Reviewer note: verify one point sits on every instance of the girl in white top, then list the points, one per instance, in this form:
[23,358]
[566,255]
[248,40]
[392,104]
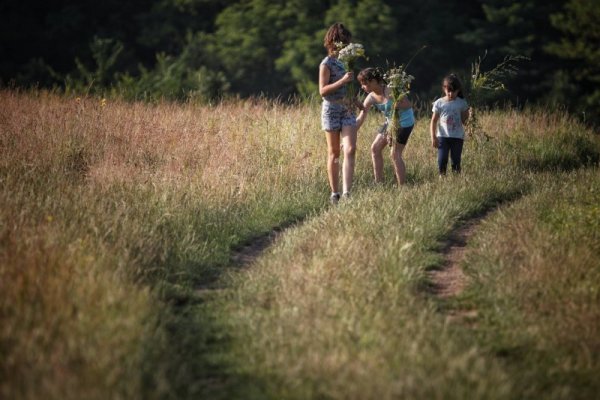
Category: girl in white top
[372,82]
[450,113]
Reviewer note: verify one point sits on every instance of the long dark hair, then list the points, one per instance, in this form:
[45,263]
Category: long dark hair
[337,33]
[453,83]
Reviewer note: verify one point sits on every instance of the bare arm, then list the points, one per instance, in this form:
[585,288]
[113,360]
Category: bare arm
[435,118]
[464,115]
[404,103]
[362,116]
[324,74]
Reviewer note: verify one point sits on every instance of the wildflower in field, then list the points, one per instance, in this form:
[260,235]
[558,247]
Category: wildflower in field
[103,102]
[348,55]
[399,83]
[484,84]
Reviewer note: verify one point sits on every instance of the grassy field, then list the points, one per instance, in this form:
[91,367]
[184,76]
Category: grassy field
[113,215]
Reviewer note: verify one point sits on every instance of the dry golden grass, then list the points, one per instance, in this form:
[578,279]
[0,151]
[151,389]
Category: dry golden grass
[219,147]
[335,310]
[96,193]
[104,204]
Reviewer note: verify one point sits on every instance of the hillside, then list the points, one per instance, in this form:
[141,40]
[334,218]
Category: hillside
[121,227]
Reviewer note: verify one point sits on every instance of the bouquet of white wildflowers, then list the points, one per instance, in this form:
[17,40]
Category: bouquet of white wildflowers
[399,83]
[348,55]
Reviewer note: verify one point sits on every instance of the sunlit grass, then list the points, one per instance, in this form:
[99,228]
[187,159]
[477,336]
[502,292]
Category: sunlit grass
[536,279]
[338,308]
[110,208]
[340,300]
[113,214]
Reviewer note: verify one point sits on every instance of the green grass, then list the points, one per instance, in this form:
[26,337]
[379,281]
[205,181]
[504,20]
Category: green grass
[341,295]
[112,216]
[536,280]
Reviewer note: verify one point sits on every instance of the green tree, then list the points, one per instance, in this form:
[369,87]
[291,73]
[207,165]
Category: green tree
[370,22]
[41,41]
[303,49]
[247,40]
[436,24]
[165,25]
[510,28]
[579,24]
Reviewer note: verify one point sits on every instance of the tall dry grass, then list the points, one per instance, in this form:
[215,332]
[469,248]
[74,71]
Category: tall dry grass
[216,147]
[337,310]
[110,208]
[113,213]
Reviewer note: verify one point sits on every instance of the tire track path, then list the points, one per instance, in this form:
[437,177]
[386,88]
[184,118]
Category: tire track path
[242,257]
[449,280]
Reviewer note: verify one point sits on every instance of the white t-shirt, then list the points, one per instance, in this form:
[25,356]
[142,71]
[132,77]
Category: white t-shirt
[450,123]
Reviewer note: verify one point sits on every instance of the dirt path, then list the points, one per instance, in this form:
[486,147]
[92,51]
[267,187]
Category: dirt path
[449,280]
[245,255]
[242,257]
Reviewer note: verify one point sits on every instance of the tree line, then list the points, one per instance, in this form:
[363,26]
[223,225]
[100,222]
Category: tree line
[208,49]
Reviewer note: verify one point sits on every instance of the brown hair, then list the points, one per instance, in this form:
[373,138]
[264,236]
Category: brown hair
[368,74]
[454,84]
[337,33]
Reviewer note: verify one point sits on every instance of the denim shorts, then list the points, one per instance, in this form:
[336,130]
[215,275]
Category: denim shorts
[334,116]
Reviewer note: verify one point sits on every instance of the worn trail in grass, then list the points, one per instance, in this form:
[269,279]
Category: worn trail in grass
[114,215]
[448,281]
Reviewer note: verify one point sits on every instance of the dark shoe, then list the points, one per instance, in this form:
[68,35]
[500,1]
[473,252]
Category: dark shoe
[335,198]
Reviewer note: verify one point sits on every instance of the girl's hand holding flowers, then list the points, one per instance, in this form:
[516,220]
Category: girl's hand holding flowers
[399,82]
[348,56]
[348,77]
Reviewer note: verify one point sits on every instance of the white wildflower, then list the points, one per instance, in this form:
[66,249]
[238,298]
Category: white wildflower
[399,82]
[348,54]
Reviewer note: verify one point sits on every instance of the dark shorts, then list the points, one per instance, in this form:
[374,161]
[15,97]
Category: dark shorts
[402,134]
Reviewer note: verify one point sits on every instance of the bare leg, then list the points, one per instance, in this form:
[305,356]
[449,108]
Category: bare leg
[333,159]
[349,145]
[376,155]
[399,166]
